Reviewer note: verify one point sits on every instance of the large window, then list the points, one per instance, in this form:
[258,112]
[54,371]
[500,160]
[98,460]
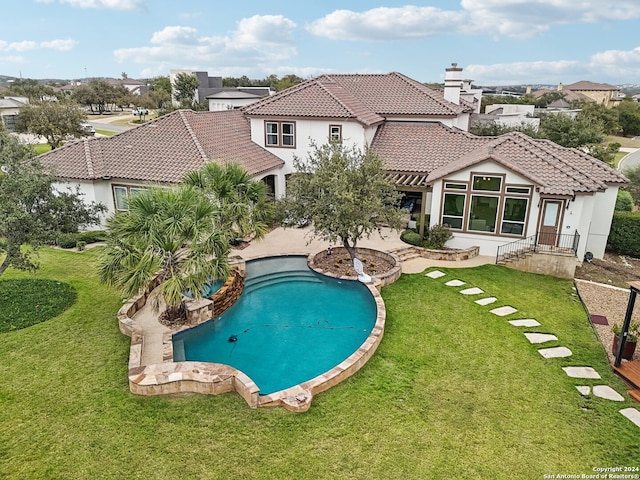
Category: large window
[122,194]
[280,134]
[486,204]
[483,213]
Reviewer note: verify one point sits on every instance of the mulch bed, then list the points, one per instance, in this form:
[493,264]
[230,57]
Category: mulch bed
[339,264]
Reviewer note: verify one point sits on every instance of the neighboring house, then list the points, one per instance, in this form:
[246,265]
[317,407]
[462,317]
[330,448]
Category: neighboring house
[509,115]
[9,110]
[494,192]
[219,97]
[602,93]
[136,87]
[234,98]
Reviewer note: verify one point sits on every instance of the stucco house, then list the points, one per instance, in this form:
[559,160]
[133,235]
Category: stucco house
[497,193]
[9,110]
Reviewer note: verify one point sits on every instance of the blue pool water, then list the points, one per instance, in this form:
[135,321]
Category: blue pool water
[290,323]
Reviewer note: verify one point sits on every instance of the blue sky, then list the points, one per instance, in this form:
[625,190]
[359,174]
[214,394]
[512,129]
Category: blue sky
[495,41]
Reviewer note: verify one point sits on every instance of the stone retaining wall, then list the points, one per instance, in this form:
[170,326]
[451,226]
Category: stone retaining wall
[380,280]
[449,255]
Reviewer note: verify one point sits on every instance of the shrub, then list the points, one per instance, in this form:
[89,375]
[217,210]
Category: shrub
[624,237]
[93,236]
[67,240]
[411,237]
[437,236]
[80,245]
[624,201]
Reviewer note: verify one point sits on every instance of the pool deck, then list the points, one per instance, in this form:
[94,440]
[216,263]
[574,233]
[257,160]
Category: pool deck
[293,241]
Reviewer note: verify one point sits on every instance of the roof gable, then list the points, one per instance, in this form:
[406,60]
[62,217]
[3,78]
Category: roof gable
[439,151]
[365,98]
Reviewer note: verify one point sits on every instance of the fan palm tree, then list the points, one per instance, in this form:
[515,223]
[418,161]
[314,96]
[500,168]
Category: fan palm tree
[244,207]
[174,233]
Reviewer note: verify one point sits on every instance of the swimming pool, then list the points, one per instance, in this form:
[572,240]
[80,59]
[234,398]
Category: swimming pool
[289,326]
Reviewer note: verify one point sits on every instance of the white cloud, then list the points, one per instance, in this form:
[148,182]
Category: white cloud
[104,4]
[29,45]
[386,23]
[61,45]
[258,40]
[621,63]
[510,18]
[175,35]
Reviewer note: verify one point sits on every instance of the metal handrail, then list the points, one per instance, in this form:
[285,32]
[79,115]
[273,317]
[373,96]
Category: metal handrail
[540,242]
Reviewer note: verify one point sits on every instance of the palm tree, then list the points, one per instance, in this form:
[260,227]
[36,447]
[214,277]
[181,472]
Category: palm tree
[244,207]
[174,233]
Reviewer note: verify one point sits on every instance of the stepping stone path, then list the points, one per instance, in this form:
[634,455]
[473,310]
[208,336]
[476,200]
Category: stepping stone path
[486,301]
[632,414]
[605,391]
[435,274]
[504,311]
[540,337]
[601,391]
[525,322]
[555,352]
[584,390]
[471,291]
[581,372]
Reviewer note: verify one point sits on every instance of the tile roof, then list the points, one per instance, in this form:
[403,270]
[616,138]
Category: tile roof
[591,86]
[439,151]
[365,98]
[164,149]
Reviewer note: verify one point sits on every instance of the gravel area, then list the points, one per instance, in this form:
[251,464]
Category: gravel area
[610,302]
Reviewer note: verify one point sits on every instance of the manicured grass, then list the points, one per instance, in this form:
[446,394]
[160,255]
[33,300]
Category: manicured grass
[452,392]
[26,302]
[109,133]
[40,148]
[623,141]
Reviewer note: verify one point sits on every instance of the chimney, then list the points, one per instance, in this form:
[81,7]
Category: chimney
[528,90]
[453,83]
[560,87]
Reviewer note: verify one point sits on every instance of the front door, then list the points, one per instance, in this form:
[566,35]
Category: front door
[551,215]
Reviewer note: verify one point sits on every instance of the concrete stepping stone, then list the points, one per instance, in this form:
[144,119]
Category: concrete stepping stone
[584,390]
[555,352]
[525,322]
[632,414]
[435,274]
[581,372]
[608,393]
[504,311]
[455,283]
[471,291]
[540,337]
[486,301]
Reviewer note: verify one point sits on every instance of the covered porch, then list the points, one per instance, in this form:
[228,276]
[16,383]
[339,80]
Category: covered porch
[415,187]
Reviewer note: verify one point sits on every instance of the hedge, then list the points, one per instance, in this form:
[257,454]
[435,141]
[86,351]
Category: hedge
[624,237]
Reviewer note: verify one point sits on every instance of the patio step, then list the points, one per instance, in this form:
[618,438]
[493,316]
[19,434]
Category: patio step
[406,253]
[635,394]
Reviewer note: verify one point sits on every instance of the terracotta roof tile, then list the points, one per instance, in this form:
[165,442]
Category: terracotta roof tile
[366,98]
[164,149]
[439,151]
[591,86]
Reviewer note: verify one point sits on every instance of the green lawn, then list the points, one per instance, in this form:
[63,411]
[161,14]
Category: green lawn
[41,148]
[453,392]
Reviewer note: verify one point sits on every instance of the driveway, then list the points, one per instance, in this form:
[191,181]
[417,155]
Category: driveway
[631,160]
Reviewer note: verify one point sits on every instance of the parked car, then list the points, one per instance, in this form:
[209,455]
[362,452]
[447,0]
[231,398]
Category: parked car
[88,128]
[139,111]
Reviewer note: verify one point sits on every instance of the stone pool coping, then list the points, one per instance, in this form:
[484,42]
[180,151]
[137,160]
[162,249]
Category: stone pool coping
[171,377]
